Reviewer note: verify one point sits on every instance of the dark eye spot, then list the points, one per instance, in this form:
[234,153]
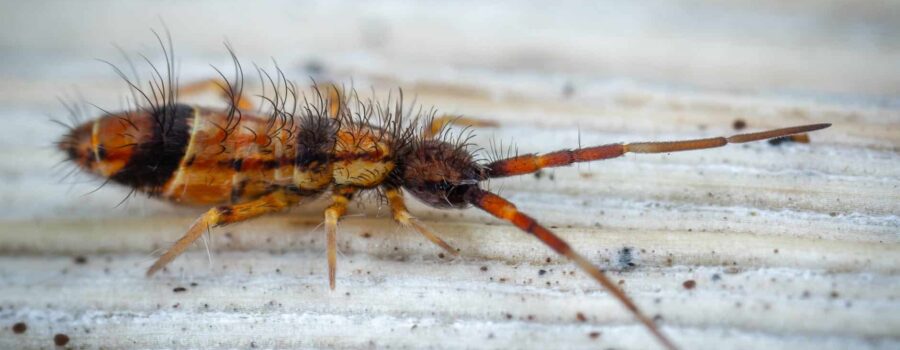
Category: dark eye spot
[101,152]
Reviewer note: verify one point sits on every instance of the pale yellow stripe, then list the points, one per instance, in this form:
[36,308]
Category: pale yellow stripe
[280,177]
[188,153]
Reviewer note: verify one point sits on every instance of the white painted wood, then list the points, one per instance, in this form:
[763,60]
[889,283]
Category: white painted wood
[795,246]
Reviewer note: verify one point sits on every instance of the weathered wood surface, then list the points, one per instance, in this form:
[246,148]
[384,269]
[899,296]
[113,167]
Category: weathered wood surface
[791,246]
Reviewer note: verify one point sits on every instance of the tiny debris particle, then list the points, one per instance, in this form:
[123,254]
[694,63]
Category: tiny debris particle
[314,67]
[568,89]
[19,328]
[366,235]
[484,268]
[542,272]
[778,141]
[833,214]
[509,316]
[775,251]
[626,259]
[441,255]
[60,339]
[689,284]
[801,138]
[179,289]
[834,294]
[594,335]
[580,317]
[739,124]
[80,260]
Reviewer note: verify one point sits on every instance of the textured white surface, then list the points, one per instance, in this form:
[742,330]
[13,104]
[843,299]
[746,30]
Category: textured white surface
[796,246]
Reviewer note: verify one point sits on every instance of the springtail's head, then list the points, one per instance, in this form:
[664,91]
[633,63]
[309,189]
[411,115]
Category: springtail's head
[441,174]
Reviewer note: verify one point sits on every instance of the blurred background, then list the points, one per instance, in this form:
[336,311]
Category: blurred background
[792,247]
[833,47]
[804,47]
[629,61]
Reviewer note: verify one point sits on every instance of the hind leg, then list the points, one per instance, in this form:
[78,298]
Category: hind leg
[223,215]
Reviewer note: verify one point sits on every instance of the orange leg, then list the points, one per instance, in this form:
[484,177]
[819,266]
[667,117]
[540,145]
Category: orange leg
[340,197]
[503,209]
[530,163]
[223,215]
[402,216]
[220,86]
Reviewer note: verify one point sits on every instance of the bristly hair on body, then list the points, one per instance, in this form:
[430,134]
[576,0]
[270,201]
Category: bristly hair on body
[402,125]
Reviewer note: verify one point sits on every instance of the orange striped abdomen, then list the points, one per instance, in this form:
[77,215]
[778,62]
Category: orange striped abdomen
[201,156]
[232,159]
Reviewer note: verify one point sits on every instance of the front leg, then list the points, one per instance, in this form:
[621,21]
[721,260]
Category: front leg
[340,197]
[403,217]
[224,215]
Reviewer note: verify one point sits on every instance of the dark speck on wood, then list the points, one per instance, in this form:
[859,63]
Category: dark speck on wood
[60,339]
[19,328]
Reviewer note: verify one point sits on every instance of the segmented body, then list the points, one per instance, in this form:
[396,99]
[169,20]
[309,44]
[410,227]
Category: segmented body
[203,156]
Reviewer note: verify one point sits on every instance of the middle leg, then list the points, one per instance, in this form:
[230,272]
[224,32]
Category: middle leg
[340,197]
